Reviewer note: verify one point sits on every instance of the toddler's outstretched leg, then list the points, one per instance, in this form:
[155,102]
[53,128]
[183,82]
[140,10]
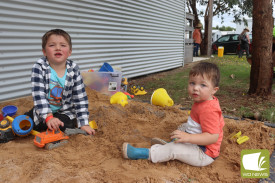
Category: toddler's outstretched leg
[130,152]
[158,141]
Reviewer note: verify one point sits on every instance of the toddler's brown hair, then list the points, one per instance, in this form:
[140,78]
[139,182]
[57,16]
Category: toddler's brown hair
[206,69]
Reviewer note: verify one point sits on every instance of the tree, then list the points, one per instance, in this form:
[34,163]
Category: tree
[216,28]
[226,28]
[220,7]
[209,28]
[192,8]
[261,74]
[223,28]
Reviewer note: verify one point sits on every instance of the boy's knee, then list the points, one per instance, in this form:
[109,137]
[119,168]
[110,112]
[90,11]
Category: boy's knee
[40,127]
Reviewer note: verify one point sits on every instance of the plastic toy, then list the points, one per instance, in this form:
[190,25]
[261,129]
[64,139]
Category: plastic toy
[240,139]
[9,110]
[160,97]
[119,98]
[21,125]
[129,96]
[138,90]
[93,125]
[133,89]
[6,133]
[54,139]
[124,83]
[237,135]
[33,132]
[1,117]
[106,68]
[50,139]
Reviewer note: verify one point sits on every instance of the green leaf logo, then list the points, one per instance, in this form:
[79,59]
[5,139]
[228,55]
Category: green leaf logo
[255,163]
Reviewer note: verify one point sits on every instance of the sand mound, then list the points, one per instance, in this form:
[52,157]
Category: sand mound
[99,158]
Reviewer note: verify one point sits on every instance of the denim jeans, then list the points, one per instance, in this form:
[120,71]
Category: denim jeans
[196,49]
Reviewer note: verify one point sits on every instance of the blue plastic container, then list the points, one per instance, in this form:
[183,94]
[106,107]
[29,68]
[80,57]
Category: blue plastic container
[22,125]
[106,68]
[9,110]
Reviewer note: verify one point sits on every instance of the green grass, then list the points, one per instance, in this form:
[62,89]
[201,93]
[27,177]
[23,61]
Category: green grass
[234,85]
[239,85]
[176,84]
[234,74]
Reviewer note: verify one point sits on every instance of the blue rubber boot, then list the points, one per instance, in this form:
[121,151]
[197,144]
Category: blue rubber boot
[130,152]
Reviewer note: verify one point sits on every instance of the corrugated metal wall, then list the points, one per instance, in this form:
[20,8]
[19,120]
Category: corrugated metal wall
[140,36]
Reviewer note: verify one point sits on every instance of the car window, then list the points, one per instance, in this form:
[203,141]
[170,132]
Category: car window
[224,38]
[235,37]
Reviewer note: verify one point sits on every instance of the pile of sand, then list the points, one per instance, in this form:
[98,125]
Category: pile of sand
[99,158]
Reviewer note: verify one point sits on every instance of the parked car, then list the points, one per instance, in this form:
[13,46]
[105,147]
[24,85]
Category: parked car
[230,42]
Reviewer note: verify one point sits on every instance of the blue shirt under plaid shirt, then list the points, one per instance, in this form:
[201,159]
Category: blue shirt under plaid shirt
[74,97]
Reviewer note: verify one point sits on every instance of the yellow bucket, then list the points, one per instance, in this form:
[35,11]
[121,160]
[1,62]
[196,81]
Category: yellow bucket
[160,97]
[119,98]
[220,51]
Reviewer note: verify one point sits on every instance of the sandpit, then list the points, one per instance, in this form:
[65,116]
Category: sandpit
[99,158]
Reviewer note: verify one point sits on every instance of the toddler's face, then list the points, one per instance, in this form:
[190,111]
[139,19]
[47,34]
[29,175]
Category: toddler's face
[57,49]
[201,88]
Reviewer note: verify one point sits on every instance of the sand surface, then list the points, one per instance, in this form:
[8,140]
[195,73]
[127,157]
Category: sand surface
[99,158]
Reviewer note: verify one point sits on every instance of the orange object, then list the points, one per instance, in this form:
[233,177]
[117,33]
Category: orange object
[93,125]
[41,139]
[128,94]
[197,36]
[48,118]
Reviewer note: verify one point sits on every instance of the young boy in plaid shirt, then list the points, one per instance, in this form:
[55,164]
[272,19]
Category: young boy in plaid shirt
[60,99]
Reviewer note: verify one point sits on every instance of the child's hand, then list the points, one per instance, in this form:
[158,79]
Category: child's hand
[88,129]
[180,136]
[54,123]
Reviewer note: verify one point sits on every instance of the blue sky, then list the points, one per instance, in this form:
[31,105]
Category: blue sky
[228,21]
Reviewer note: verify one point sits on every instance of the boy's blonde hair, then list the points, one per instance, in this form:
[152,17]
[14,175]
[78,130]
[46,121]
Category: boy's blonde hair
[206,69]
[59,32]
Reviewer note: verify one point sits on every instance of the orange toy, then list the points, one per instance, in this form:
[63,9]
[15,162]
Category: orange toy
[128,95]
[48,138]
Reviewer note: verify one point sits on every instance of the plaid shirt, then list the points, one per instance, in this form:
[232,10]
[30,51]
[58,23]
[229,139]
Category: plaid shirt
[74,97]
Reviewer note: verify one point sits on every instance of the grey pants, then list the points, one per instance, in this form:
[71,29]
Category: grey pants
[187,153]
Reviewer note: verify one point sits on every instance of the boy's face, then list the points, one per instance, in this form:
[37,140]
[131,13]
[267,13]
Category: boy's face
[201,88]
[57,50]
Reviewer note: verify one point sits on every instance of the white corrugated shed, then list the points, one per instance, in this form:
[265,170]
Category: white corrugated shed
[140,36]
